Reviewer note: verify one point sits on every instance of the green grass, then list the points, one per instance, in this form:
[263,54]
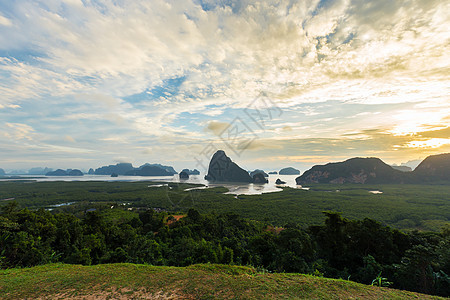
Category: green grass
[406,207]
[60,281]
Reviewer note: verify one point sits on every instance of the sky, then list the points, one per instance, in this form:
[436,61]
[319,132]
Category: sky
[86,83]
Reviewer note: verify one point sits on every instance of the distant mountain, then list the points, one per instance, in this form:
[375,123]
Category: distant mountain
[120,169]
[74,172]
[273,173]
[434,168]
[289,171]
[17,172]
[402,168]
[412,163]
[223,169]
[253,173]
[39,171]
[354,170]
[184,175]
[2,172]
[58,172]
[168,169]
[259,177]
[68,172]
[92,171]
[191,172]
[128,169]
[149,170]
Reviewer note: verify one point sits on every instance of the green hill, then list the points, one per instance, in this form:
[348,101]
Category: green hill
[434,169]
[355,170]
[130,281]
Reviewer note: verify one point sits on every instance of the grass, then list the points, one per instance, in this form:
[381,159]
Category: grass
[206,281]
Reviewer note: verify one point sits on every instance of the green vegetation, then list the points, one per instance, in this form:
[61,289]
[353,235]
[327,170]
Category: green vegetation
[113,281]
[406,207]
[92,223]
[360,250]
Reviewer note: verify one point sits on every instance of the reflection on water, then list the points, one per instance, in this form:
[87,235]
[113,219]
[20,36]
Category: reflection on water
[63,204]
[246,188]
[157,185]
[376,192]
[234,188]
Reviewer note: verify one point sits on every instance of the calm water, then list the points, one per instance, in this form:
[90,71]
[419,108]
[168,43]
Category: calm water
[234,188]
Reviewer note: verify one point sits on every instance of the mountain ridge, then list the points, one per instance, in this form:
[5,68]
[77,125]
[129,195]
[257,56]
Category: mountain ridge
[372,170]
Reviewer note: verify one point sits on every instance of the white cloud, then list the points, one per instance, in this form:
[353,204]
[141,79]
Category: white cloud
[18,131]
[85,57]
[216,127]
[5,21]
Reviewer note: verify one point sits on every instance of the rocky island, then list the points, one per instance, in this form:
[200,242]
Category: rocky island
[289,171]
[222,169]
[69,172]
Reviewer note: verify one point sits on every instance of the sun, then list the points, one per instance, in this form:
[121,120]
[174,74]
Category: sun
[411,122]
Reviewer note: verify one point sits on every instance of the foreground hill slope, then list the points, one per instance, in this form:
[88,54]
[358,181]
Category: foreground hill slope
[130,281]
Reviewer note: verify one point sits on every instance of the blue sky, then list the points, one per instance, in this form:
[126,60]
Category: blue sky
[88,83]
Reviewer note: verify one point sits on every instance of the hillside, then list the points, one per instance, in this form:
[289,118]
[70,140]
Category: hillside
[207,281]
[433,168]
[355,170]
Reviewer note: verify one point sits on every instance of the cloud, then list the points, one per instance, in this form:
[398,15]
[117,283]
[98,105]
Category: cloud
[69,139]
[18,131]
[216,127]
[429,143]
[438,132]
[5,21]
[145,73]
[259,144]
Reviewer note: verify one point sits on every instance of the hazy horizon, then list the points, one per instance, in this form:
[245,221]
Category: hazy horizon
[411,164]
[275,83]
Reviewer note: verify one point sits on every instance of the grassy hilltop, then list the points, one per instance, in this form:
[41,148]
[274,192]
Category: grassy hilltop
[206,281]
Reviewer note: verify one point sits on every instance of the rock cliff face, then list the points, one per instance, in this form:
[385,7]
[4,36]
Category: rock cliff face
[354,170]
[221,168]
